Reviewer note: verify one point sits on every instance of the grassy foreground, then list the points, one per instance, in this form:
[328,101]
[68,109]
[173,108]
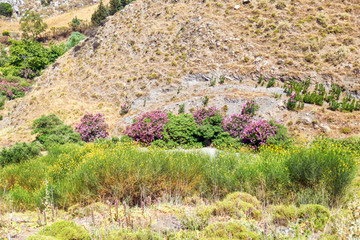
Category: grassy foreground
[303,188]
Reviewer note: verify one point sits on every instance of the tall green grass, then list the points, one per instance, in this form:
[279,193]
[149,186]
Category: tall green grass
[72,174]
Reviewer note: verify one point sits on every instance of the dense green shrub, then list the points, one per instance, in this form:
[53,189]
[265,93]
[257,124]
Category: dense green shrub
[6,9]
[281,137]
[51,130]
[180,129]
[19,152]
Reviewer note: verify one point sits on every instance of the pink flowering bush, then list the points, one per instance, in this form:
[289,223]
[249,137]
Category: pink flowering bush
[249,131]
[11,90]
[256,133]
[148,127]
[92,127]
[235,124]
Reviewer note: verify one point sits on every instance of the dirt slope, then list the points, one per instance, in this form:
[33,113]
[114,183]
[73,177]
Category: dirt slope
[158,54]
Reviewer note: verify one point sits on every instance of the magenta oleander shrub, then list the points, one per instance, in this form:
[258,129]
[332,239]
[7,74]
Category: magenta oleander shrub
[235,124]
[249,131]
[92,127]
[203,115]
[256,133]
[148,127]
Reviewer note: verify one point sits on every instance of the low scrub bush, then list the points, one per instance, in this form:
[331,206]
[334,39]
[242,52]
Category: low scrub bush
[64,230]
[92,127]
[19,152]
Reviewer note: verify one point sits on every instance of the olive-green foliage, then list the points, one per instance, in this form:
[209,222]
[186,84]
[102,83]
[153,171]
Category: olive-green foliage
[316,215]
[131,235]
[283,214]
[281,138]
[65,230]
[74,40]
[180,129]
[230,230]
[224,141]
[51,130]
[196,220]
[2,101]
[41,237]
[238,205]
[32,25]
[6,9]
[322,164]
[19,152]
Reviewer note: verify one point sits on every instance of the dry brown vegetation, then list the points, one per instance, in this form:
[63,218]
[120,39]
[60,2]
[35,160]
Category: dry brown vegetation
[159,54]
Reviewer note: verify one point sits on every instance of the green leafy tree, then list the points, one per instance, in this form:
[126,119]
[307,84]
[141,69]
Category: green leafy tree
[30,53]
[6,9]
[32,25]
[100,15]
[114,6]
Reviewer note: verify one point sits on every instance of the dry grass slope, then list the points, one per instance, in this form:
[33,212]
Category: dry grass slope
[158,54]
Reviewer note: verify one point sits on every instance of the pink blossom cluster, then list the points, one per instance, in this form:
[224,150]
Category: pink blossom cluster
[10,89]
[148,127]
[202,114]
[235,124]
[249,131]
[256,133]
[92,127]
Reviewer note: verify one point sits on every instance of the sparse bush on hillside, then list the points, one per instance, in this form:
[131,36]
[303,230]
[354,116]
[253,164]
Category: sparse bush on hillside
[6,9]
[92,127]
[6,33]
[32,25]
[19,152]
[74,40]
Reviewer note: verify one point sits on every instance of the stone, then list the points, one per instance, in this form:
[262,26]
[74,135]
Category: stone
[237,7]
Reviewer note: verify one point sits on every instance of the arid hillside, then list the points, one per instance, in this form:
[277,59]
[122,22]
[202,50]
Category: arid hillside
[158,54]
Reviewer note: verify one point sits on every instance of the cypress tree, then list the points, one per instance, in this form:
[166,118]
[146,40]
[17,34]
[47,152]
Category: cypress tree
[114,7]
[99,15]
